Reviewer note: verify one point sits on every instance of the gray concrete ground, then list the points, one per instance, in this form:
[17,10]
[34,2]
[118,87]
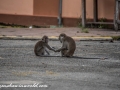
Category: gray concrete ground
[53,33]
[96,66]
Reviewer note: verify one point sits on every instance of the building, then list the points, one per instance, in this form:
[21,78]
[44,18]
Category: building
[46,12]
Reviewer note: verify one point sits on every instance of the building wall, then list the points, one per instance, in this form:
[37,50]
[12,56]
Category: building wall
[72,9]
[45,12]
[22,7]
[46,8]
[106,9]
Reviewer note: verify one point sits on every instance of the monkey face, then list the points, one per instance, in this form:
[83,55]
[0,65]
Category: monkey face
[45,39]
[62,37]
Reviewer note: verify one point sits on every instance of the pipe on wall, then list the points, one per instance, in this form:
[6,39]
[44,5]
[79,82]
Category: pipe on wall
[60,13]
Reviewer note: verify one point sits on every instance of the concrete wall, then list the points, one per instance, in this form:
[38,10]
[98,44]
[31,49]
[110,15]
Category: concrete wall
[46,8]
[106,9]
[22,7]
[72,8]
[45,12]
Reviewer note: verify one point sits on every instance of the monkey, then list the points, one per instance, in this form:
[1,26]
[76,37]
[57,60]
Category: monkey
[40,47]
[68,45]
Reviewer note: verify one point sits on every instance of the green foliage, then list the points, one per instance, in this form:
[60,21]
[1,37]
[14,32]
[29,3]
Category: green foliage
[101,26]
[84,30]
[116,37]
[2,25]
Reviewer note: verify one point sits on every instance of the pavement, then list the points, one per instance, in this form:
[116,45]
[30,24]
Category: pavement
[95,66]
[53,33]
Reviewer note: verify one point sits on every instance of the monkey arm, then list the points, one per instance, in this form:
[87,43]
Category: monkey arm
[62,48]
[50,48]
[47,51]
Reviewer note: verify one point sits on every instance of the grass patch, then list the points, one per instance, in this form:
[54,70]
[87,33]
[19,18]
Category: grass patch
[2,25]
[102,26]
[116,37]
[84,30]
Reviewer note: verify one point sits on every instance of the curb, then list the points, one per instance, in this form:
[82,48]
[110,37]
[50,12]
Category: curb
[54,38]
[93,38]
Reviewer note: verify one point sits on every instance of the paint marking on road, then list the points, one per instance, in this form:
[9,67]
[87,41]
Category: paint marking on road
[51,73]
[22,73]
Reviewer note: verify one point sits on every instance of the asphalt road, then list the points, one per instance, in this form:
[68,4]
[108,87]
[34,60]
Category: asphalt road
[95,66]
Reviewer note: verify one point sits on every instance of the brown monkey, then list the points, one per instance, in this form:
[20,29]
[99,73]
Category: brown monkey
[68,45]
[40,47]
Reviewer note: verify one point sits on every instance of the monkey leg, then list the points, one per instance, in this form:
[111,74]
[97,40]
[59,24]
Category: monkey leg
[68,54]
[63,52]
[41,52]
